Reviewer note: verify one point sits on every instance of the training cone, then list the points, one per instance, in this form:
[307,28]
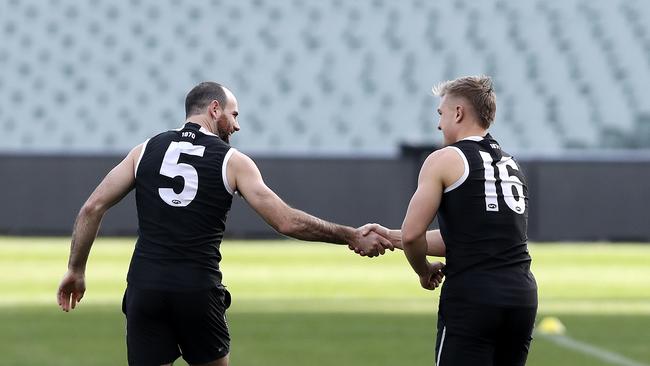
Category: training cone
[551,325]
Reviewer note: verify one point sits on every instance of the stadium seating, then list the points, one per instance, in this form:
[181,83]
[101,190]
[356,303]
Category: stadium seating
[328,77]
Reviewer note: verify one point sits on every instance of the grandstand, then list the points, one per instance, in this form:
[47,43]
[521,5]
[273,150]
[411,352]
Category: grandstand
[322,77]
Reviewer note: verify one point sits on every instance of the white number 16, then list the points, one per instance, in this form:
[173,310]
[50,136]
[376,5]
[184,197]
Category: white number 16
[508,182]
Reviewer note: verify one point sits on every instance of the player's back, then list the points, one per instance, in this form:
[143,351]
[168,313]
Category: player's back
[183,200]
[483,220]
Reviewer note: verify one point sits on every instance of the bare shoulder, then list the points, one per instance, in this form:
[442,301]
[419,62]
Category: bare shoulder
[134,155]
[242,173]
[444,158]
[239,160]
[137,149]
[445,166]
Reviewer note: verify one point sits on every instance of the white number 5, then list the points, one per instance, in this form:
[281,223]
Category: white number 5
[508,183]
[172,168]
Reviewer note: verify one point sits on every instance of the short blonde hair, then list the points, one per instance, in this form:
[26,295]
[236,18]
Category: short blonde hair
[477,90]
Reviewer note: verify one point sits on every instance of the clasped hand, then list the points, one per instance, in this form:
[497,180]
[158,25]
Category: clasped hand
[432,278]
[372,240]
[385,239]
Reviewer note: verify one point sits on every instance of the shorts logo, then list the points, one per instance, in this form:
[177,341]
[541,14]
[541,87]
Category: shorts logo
[176,202]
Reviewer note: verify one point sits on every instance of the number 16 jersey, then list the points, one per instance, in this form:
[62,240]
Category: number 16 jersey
[483,219]
[183,198]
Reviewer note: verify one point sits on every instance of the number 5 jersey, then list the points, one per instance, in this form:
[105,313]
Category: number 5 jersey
[183,198]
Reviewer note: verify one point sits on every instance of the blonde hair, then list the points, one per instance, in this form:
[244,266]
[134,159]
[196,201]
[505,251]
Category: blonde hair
[477,90]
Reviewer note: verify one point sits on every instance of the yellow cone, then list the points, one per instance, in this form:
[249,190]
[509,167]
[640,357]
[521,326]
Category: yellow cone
[551,325]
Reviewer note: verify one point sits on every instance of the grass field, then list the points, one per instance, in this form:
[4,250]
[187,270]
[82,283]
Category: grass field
[316,304]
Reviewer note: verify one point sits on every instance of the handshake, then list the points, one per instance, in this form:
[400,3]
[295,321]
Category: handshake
[372,240]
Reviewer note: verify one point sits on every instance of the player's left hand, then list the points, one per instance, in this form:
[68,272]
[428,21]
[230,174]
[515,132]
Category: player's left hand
[71,290]
[433,277]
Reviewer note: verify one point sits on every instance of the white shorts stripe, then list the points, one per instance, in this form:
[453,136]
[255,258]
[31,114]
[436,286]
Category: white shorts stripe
[442,343]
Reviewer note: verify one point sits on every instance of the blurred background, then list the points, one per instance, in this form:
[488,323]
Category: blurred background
[336,108]
[335,101]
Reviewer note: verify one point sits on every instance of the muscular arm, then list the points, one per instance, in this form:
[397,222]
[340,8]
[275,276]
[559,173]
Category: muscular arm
[245,177]
[117,183]
[435,243]
[440,170]
[421,211]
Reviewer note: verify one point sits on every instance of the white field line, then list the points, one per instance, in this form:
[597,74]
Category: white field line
[601,354]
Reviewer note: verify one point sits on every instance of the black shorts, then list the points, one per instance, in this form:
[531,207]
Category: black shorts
[163,325]
[483,335]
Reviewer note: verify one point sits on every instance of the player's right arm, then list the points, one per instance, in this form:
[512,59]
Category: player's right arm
[117,183]
[244,177]
[435,243]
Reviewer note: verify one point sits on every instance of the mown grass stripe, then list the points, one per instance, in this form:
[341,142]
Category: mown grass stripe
[586,348]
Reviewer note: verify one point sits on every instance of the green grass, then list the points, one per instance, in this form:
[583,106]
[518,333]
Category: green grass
[315,304]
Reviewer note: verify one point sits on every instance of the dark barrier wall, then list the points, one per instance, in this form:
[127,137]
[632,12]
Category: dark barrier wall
[570,200]
[589,200]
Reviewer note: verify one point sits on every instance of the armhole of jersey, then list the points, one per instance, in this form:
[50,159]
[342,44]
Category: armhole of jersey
[137,164]
[224,171]
[463,177]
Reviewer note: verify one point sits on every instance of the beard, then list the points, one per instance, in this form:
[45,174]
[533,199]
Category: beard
[222,129]
[224,136]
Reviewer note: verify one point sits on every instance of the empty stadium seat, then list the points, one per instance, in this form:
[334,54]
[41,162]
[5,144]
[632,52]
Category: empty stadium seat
[321,77]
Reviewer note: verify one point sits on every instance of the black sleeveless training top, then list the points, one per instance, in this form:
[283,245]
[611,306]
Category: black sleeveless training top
[483,220]
[183,199]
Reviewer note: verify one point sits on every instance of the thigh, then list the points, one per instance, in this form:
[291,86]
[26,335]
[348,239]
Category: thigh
[201,326]
[515,336]
[149,334]
[224,361]
[466,334]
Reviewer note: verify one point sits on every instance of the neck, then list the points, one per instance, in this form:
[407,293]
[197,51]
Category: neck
[201,120]
[474,130]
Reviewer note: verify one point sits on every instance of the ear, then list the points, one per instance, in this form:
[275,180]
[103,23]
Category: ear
[215,109]
[460,113]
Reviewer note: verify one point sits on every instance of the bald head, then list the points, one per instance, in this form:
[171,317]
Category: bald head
[202,95]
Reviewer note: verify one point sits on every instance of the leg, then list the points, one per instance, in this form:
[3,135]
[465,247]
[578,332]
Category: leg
[149,336]
[201,328]
[223,361]
[465,334]
[515,336]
